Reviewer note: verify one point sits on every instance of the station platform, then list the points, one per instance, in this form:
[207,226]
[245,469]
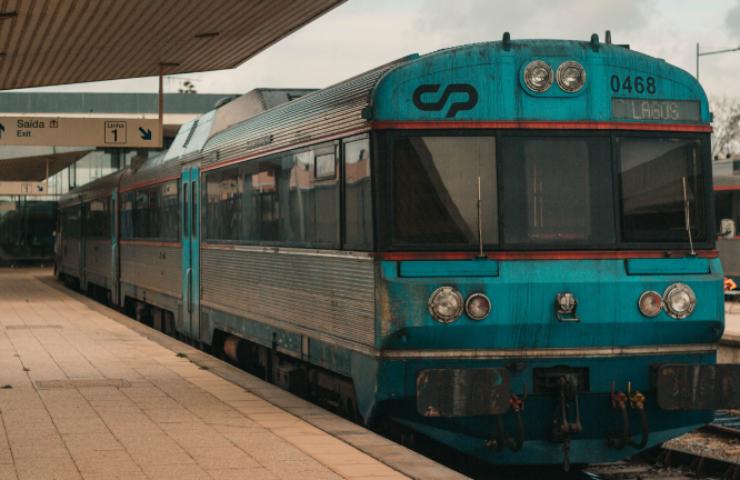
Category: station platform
[87,393]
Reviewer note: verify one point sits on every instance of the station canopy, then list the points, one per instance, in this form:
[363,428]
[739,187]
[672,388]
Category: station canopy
[53,42]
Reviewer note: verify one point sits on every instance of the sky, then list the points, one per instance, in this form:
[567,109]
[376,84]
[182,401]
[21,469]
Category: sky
[361,34]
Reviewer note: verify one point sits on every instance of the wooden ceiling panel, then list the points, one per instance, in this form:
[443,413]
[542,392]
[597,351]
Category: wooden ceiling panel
[53,42]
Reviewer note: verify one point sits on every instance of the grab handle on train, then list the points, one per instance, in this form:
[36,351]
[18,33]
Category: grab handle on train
[189,277]
[637,401]
[621,440]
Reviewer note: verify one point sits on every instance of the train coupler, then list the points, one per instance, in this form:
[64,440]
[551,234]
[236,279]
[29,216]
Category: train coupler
[563,427]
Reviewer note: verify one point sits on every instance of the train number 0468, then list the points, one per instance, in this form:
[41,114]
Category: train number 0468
[632,84]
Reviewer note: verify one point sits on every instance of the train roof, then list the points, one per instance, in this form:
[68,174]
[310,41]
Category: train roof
[386,94]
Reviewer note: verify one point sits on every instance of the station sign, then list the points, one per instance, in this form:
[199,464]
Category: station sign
[22,188]
[80,132]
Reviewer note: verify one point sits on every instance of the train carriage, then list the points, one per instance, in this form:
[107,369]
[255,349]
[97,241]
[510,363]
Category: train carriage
[506,247]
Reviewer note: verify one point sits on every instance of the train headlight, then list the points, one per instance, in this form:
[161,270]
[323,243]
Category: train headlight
[679,300]
[538,76]
[446,304]
[571,76]
[478,306]
[650,303]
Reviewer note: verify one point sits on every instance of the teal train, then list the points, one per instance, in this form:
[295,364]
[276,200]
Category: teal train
[506,247]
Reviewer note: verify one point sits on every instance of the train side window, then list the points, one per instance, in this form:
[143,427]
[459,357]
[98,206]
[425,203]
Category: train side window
[71,222]
[141,214]
[127,215]
[358,221]
[97,218]
[222,204]
[169,219]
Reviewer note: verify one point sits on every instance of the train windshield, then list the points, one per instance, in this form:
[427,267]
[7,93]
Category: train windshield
[660,180]
[572,190]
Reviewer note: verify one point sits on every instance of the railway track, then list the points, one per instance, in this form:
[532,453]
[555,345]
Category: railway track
[711,452]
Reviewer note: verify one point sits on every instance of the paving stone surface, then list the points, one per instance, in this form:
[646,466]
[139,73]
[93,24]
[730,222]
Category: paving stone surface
[85,397]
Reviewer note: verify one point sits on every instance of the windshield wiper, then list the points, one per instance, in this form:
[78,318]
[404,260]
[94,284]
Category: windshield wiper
[687,215]
[480,222]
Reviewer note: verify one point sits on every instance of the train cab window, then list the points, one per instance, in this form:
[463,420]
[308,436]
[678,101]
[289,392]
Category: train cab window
[653,173]
[358,223]
[557,191]
[435,191]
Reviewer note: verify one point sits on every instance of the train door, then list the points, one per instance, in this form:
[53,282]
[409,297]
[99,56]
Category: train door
[190,231]
[114,248]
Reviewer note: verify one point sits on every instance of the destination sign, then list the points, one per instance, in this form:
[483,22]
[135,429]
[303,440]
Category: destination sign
[656,110]
[80,132]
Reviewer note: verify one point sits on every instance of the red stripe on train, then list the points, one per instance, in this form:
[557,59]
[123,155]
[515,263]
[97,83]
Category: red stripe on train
[418,125]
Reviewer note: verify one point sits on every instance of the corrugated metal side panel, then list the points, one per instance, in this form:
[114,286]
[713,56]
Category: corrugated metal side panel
[154,268]
[329,298]
[98,257]
[320,114]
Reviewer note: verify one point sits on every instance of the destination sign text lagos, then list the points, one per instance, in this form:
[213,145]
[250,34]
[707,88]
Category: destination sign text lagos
[656,110]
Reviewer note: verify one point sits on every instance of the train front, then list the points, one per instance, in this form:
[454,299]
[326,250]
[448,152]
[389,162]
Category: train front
[548,289]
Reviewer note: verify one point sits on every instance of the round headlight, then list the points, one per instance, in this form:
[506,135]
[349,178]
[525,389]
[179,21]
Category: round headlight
[538,76]
[679,300]
[571,76]
[446,304]
[650,303]
[478,306]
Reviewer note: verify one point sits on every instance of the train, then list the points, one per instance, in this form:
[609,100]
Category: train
[26,231]
[506,248]
[727,214]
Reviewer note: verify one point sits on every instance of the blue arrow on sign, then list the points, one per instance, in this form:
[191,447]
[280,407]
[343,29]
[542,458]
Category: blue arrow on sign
[145,134]
[2,130]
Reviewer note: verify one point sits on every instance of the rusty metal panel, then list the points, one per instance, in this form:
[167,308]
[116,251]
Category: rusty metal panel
[156,268]
[463,392]
[698,387]
[50,42]
[326,297]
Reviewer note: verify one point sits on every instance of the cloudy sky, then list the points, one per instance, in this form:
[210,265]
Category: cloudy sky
[361,34]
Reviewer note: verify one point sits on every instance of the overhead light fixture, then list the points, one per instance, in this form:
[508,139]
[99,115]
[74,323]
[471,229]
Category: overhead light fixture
[205,35]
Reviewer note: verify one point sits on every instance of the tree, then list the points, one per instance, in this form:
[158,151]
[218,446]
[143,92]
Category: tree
[726,125]
[187,87]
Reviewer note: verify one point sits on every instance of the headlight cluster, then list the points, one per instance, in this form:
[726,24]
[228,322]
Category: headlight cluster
[538,76]
[446,305]
[678,301]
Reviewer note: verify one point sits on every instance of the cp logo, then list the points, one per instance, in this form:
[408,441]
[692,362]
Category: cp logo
[424,90]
